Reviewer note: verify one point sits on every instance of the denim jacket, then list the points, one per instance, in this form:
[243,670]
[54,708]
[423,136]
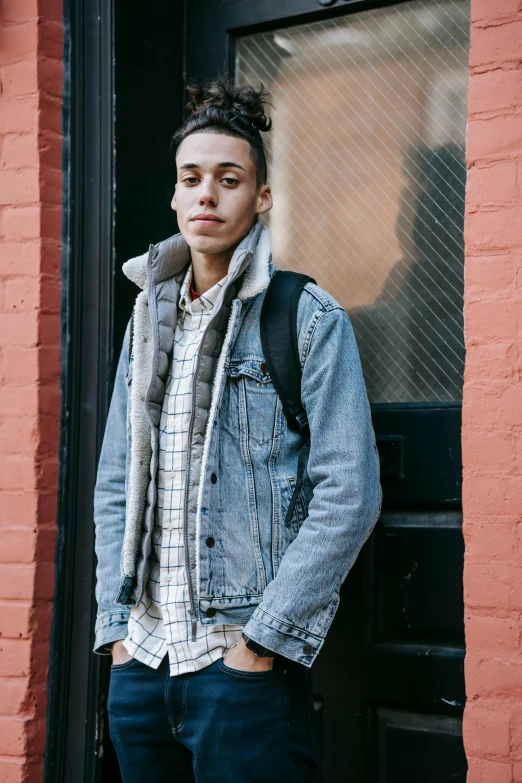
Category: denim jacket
[288,517]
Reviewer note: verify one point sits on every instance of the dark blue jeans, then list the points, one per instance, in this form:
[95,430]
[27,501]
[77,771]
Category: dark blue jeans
[217,725]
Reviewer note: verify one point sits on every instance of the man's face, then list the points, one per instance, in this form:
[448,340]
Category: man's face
[216,196]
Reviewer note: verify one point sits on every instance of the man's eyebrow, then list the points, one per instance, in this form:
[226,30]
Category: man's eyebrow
[227,164]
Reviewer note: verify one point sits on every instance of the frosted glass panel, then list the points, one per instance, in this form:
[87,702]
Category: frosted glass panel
[367,166]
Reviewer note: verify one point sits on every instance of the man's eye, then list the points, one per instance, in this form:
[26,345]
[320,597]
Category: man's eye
[230,180]
[190,180]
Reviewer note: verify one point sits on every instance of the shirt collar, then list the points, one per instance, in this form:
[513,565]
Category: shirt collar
[205,302]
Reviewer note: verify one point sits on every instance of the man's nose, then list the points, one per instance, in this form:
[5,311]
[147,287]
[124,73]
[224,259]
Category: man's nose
[208,193]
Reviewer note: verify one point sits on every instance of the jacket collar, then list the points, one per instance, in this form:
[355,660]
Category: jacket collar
[169,259]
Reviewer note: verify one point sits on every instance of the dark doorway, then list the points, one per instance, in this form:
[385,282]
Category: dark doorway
[368,171]
[389,684]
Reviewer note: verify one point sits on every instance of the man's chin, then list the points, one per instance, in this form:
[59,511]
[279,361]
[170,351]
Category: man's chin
[209,245]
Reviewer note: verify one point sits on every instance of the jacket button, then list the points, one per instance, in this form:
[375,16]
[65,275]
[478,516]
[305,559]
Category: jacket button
[213,478]
[308,649]
[264,367]
[210,541]
[210,611]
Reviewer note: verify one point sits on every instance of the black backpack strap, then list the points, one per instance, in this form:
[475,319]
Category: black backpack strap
[279,343]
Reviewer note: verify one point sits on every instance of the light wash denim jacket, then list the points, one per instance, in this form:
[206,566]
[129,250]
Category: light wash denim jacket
[288,519]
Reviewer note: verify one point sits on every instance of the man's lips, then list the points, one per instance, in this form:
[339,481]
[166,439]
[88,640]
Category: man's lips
[204,218]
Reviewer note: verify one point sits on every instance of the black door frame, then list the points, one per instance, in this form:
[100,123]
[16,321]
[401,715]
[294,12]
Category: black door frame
[103,41]
[86,314]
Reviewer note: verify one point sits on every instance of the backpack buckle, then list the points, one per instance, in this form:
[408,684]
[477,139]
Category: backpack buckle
[302,423]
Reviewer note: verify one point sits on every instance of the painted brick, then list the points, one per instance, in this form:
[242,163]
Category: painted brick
[18,546]
[494,138]
[19,41]
[494,678]
[19,365]
[485,10]
[21,222]
[492,634]
[51,154]
[16,472]
[12,770]
[21,294]
[18,187]
[49,358]
[18,11]
[490,361]
[500,542]
[492,185]
[18,114]
[516,734]
[21,399]
[20,149]
[488,276]
[51,41]
[18,509]
[15,657]
[487,586]
[511,405]
[496,44]
[50,74]
[21,329]
[486,732]
[494,91]
[490,451]
[15,618]
[12,695]
[51,186]
[495,772]
[495,230]
[30,175]
[17,582]
[490,495]
[20,78]
[518,452]
[12,736]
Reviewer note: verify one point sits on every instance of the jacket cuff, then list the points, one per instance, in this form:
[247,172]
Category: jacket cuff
[294,643]
[110,628]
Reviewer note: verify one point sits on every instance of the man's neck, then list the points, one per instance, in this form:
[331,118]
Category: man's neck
[209,268]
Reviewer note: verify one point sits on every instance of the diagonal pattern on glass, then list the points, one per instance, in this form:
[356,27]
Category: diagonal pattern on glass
[367,164]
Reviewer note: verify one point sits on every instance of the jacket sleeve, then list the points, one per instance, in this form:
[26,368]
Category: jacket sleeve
[109,513]
[299,604]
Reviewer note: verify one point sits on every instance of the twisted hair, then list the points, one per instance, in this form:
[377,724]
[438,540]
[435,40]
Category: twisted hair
[222,107]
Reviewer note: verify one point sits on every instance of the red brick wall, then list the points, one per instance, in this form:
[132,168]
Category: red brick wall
[492,429]
[30,217]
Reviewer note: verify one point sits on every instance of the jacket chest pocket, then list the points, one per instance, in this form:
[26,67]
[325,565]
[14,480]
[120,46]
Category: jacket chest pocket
[255,408]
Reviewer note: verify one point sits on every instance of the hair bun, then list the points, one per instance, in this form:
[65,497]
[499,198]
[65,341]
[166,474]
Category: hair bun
[246,102]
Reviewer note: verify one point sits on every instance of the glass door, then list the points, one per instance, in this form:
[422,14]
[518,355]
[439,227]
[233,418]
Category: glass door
[367,167]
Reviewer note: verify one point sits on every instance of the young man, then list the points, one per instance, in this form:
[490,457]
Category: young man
[214,598]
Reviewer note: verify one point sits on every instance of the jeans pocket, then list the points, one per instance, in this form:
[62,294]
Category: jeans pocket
[116,667]
[268,674]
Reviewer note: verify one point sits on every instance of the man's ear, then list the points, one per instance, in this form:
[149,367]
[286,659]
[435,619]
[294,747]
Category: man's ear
[173,202]
[264,200]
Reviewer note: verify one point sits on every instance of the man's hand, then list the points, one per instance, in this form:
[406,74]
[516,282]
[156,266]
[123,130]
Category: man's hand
[119,653]
[240,657]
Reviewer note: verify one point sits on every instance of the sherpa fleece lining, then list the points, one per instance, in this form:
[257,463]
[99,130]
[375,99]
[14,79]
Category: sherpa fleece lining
[255,280]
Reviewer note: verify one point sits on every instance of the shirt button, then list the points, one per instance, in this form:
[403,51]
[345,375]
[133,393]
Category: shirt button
[308,649]
[210,541]
[170,526]
[213,478]
[168,577]
[210,611]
